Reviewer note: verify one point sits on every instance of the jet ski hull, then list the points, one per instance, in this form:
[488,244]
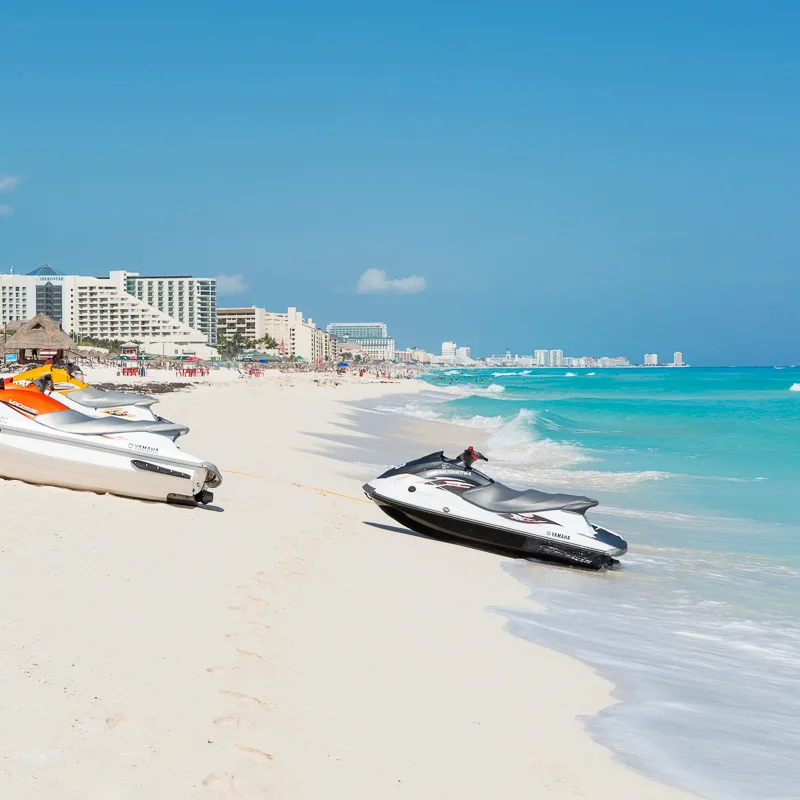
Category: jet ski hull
[450,527]
[135,464]
[449,498]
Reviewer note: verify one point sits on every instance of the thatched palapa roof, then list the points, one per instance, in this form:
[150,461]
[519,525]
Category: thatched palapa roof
[40,333]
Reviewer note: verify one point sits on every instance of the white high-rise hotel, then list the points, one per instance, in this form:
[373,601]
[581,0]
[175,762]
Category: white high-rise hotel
[167,315]
[541,358]
[449,349]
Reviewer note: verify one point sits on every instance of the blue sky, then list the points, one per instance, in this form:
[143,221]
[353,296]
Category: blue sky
[599,177]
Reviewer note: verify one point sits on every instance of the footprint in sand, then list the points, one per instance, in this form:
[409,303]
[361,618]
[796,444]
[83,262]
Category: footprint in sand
[255,752]
[242,696]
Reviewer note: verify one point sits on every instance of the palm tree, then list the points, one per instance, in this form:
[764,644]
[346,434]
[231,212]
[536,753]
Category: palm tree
[229,347]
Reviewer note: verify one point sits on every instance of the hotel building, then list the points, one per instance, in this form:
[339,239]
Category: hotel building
[104,308]
[295,337]
[372,338]
[192,301]
[449,350]
[415,355]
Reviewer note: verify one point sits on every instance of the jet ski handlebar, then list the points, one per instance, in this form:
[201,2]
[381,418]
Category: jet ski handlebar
[470,456]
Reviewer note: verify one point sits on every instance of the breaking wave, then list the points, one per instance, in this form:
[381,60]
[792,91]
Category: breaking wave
[415,409]
[795,387]
[521,452]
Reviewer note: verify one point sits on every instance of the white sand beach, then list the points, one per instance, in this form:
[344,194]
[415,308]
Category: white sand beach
[290,642]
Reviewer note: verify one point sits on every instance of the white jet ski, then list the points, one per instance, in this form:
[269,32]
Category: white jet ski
[447,497]
[44,441]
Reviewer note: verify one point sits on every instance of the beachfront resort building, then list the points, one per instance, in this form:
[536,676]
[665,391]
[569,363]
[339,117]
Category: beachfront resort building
[104,308]
[17,298]
[294,336]
[415,355]
[556,358]
[248,323]
[22,296]
[358,330]
[651,359]
[371,338]
[449,349]
[677,359]
[192,301]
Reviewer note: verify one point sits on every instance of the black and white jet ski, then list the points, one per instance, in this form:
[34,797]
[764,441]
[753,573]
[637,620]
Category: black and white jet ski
[447,497]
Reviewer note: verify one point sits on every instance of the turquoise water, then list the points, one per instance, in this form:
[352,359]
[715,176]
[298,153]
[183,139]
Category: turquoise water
[699,469]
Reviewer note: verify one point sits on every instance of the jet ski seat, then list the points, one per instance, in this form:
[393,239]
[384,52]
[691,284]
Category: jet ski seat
[97,398]
[505,500]
[70,421]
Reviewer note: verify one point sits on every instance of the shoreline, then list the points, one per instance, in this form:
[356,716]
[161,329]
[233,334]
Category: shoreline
[295,642]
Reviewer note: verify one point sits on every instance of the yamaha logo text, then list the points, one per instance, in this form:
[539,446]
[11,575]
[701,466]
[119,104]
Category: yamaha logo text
[142,448]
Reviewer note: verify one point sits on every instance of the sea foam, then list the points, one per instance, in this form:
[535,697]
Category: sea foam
[705,669]
[795,387]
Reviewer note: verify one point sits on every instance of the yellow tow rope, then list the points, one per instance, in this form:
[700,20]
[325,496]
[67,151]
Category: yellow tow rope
[298,485]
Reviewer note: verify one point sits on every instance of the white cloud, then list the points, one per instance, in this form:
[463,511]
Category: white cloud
[374,281]
[231,284]
[6,210]
[9,182]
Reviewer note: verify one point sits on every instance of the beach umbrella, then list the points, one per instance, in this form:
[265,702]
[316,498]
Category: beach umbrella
[342,364]
[122,358]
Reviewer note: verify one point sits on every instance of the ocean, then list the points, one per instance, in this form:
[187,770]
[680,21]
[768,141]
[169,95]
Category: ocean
[699,628]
